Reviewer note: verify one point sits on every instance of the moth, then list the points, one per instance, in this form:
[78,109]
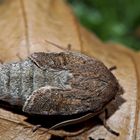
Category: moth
[63,83]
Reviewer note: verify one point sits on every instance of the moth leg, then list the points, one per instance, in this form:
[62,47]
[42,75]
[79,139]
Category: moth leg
[105,114]
[1,61]
[27,125]
[19,57]
[69,47]
[112,68]
[36,127]
[58,133]
[63,133]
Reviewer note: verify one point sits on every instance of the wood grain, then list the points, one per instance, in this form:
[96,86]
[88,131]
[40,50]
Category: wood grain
[26,25]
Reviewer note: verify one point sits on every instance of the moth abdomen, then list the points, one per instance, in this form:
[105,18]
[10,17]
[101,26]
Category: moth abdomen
[4,82]
[10,79]
[18,80]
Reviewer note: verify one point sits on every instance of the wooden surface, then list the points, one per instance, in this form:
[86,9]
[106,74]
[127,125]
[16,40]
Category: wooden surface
[26,25]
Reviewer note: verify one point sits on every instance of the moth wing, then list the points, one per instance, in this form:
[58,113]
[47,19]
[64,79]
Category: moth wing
[53,101]
[40,59]
[58,60]
[38,100]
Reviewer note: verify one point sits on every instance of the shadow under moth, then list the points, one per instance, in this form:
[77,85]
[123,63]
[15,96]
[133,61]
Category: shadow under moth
[64,83]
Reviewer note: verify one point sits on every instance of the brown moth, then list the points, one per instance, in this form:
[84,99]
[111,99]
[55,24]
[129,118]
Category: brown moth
[64,83]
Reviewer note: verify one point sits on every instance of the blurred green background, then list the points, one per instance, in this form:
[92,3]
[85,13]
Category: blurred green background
[111,20]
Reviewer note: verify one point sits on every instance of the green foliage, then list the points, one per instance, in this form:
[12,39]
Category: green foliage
[115,20]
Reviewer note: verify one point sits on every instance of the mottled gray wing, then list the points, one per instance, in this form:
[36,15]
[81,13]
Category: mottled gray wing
[53,101]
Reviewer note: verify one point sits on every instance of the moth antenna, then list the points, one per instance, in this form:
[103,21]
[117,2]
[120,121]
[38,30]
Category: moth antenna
[73,121]
[58,46]
[113,68]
